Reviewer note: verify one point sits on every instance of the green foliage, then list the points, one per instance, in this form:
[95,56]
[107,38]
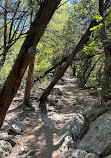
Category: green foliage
[96,27]
[108,17]
[50,47]
[90,47]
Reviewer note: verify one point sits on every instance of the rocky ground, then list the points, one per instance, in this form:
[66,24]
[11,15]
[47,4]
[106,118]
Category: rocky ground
[62,134]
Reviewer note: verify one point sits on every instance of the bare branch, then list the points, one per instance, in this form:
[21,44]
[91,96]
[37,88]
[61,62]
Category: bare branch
[18,25]
[11,26]
[62,4]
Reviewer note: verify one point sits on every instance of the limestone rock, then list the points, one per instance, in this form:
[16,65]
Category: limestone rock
[56,91]
[68,142]
[96,107]
[70,131]
[74,125]
[16,128]
[2,153]
[98,138]
[79,154]
[81,100]
[5,146]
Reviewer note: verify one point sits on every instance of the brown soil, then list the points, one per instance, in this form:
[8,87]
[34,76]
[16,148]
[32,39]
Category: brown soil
[37,139]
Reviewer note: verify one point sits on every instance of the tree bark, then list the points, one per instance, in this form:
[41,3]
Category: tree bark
[28,50]
[29,84]
[79,46]
[88,75]
[106,87]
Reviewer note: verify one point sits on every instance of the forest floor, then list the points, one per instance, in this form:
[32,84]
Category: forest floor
[38,139]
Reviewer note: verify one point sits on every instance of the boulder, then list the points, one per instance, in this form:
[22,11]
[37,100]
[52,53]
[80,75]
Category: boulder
[71,131]
[98,138]
[74,125]
[67,143]
[75,153]
[96,108]
[81,100]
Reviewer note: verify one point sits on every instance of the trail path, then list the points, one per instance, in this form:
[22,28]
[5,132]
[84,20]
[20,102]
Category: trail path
[42,141]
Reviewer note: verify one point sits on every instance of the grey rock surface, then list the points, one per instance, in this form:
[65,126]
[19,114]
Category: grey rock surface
[16,128]
[74,125]
[68,142]
[5,148]
[56,91]
[2,153]
[70,131]
[98,138]
[79,154]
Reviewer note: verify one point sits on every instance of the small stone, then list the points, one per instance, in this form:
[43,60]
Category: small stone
[16,128]
[56,91]
[5,146]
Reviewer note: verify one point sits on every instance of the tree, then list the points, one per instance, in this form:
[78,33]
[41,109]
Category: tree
[106,83]
[15,18]
[28,50]
[49,48]
[79,46]
[12,26]
[29,84]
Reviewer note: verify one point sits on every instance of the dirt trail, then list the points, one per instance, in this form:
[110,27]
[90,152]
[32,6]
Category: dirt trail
[42,141]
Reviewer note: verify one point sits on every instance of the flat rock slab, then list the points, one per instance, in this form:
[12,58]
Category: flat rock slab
[98,138]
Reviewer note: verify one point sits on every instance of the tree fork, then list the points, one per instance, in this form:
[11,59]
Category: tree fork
[35,32]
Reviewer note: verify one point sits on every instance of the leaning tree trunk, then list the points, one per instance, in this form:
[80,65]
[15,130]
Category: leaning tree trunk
[106,82]
[78,47]
[89,73]
[28,50]
[29,84]
[5,50]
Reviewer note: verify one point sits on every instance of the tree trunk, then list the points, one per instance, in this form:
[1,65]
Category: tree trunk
[28,84]
[79,46]
[27,52]
[106,87]
[89,73]
[2,61]
[74,69]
